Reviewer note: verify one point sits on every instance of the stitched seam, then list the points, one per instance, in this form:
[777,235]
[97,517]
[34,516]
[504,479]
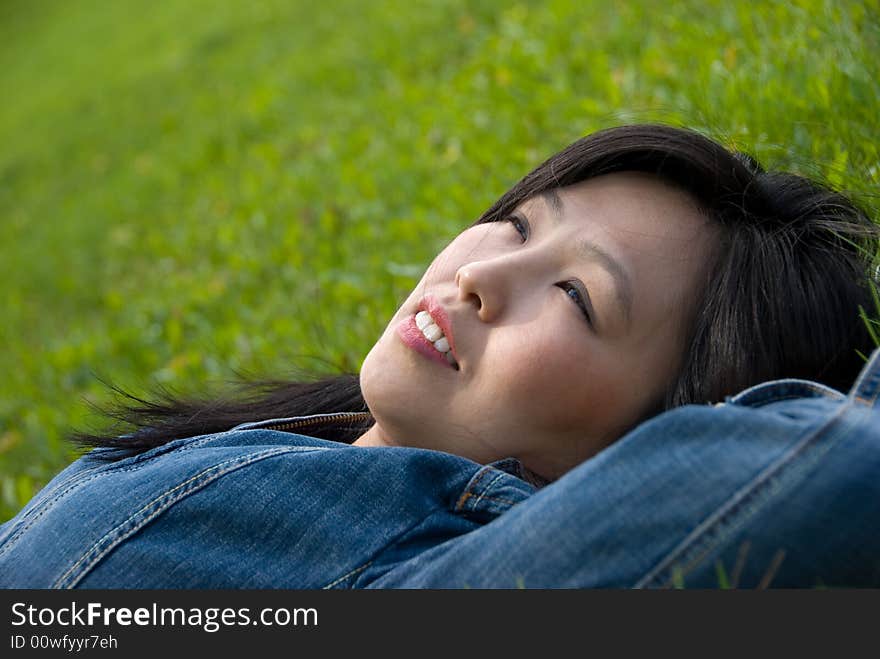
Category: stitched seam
[39,502]
[48,504]
[68,487]
[699,542]
[468,494]
[350,574]
[870,402]
[746,398]
[486,489]
[198,441]
[782,397]
[874,381]
[488,498]
[868,379]
[162,502]
[36,513]
[472,486]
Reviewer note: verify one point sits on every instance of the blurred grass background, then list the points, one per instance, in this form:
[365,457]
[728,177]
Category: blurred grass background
[191,189]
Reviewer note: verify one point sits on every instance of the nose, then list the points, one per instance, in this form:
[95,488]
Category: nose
[485,285]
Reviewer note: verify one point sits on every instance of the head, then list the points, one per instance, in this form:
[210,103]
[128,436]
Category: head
[639,269]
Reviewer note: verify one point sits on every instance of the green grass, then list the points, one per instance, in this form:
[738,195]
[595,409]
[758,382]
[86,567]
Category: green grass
[194,188]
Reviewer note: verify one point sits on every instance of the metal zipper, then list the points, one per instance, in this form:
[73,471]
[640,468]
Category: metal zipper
[317,419]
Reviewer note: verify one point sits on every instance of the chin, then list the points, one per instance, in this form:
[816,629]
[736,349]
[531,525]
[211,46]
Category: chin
[370,375]
[381,382]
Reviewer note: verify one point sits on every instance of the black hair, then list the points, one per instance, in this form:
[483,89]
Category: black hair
[791,271]
[785,292]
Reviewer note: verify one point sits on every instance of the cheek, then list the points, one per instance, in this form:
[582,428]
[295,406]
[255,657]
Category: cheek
[559,385]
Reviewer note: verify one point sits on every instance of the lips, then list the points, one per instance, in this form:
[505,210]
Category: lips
[413,337]
[438,314]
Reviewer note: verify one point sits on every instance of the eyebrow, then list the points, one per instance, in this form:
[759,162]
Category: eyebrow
[622,281]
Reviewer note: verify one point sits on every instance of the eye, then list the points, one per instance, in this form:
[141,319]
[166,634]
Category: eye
[521,224]
[579,297]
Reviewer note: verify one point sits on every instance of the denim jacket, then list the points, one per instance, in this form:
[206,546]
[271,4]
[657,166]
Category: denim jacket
[252,507]
[776,486]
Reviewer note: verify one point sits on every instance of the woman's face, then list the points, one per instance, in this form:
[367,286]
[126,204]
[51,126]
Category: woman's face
[566,322]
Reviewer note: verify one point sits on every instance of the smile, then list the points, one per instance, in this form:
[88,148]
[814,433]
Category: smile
[424,332]
[432,332]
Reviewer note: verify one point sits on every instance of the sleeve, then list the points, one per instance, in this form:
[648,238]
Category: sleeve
[696,497]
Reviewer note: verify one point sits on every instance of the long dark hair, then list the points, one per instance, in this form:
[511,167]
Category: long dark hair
[783,298]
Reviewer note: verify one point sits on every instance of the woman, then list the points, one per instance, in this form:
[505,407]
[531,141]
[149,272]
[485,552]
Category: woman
[641,269]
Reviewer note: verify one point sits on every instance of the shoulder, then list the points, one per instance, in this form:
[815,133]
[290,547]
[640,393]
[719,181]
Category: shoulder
[94,504]
[227,509]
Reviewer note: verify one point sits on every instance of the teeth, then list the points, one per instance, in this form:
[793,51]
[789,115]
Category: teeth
[432,332]
[423,319]
[435,335]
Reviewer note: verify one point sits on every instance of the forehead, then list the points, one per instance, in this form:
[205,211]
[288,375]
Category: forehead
[629,200]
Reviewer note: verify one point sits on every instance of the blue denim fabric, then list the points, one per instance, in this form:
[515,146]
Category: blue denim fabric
[248,508]
[779,486]
[776,486]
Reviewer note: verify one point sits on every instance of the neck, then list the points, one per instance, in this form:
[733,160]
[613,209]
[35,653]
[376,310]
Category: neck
[375,436]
